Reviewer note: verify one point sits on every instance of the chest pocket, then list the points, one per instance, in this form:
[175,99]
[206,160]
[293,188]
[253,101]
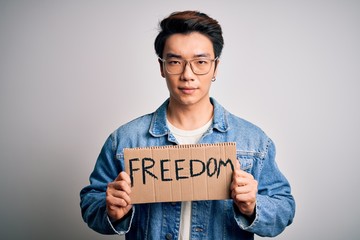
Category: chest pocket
[246,160]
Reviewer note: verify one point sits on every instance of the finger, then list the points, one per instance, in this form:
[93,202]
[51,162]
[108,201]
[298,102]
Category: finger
[243,179]
[118,199]
[237,182]
[123,176]
[122,186]
[247,193]
[244,184]
[116,208]
[237,186]
[244,198]
[242,174]
[117,188]
[121,195]
[243,189]
[121,199]
[127,208]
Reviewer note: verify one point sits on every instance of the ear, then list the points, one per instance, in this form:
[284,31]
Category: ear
[161,68]
[217,62]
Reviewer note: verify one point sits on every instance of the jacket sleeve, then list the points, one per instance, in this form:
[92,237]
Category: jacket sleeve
[93,196]
[275,205]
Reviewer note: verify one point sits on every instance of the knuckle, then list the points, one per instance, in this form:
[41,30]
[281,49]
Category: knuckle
[108,200]
[123,185]
[123,203]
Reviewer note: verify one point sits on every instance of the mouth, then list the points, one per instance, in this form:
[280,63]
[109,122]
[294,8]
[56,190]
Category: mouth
[187,90]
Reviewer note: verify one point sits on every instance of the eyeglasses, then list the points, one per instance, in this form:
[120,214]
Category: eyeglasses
[199,66]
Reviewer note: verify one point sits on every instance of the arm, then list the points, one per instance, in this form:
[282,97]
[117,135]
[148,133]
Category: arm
[274,206]
[106,193]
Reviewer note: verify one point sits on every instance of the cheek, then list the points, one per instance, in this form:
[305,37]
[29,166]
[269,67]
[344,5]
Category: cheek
[169,83]
[206,81]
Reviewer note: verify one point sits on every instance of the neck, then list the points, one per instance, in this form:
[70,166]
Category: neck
[189,117]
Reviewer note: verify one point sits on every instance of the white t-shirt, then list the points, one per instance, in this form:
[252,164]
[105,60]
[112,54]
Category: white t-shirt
[187,137]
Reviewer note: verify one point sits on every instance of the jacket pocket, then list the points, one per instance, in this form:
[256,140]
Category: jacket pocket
[246,160]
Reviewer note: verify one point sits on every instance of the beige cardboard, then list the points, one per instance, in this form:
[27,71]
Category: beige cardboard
[181,172]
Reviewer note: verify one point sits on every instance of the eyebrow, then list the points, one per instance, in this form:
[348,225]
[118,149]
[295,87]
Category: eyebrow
[172,55]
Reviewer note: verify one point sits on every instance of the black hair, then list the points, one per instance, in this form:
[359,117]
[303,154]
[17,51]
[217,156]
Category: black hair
[187,22]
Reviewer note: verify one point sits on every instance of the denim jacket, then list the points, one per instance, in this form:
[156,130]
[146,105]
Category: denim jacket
[220,219]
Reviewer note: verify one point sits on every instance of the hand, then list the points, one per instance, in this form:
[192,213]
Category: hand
[118,201]
[243,191]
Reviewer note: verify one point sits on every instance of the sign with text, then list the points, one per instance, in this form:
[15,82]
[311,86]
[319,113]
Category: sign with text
[181,172]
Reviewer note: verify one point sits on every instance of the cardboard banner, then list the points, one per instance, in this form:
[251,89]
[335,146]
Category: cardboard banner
[181,172]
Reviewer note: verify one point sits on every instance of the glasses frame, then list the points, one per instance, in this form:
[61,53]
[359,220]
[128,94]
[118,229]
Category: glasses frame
[188,62]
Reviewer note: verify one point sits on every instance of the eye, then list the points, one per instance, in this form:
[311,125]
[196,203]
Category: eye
[173,62]
[202,62]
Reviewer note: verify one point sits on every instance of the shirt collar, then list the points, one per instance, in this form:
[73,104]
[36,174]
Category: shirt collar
[159,128]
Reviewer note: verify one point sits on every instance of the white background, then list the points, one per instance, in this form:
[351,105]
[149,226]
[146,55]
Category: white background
[73,71]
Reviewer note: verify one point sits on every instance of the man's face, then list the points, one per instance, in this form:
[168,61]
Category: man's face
[188,88]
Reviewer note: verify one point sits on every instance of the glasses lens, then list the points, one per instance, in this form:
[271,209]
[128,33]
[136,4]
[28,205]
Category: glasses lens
[174,66]
[199,66]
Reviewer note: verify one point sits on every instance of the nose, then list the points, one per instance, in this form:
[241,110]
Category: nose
[188,74]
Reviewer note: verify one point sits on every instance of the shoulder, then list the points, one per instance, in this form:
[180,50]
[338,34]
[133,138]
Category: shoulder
[129,132]
[236,126]
[244,126]
[248,135]
[141,123]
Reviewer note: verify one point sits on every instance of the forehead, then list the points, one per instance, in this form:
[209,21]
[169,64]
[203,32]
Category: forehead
[188,45]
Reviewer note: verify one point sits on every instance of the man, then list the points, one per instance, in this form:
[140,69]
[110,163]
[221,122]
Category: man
[189,46]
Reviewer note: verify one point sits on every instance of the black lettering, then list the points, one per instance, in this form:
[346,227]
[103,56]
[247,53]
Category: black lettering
[222,163]
[210,174]
[131,170]
[177,169]
[192,174]
[163,170]
[145,168]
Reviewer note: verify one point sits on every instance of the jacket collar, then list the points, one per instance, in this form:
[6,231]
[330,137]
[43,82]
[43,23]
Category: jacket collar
[159,128]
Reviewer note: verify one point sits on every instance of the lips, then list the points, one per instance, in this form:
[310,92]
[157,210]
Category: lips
[187,90]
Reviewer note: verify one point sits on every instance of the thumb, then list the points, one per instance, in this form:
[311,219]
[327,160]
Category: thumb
[237,165]
[237,168]
[123,176]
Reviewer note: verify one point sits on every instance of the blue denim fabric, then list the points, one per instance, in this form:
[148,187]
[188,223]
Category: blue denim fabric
[275,206]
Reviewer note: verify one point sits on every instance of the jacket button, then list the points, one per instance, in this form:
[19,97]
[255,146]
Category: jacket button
[199,229]
[168,236]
